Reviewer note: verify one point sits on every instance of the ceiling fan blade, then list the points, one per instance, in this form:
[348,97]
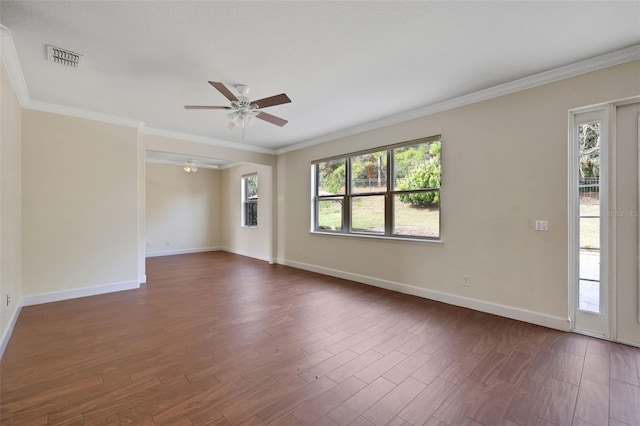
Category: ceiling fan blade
[272,101]
[223,89]
[205,107]
[271,119]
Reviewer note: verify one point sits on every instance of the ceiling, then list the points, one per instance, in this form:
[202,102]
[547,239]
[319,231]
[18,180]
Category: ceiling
[343,64]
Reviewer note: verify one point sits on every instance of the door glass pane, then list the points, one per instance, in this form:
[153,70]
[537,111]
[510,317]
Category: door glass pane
[369,173]
[589,180]
[589,221]
[589,233]
[367,214]
[589,265]
[409,219]
[330,214]
[589,139]
[590,203]
[590,296]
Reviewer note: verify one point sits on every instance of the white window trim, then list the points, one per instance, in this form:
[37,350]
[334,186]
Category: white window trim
[389,192]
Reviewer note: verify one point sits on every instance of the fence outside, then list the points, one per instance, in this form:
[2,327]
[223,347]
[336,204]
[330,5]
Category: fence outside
[589,185]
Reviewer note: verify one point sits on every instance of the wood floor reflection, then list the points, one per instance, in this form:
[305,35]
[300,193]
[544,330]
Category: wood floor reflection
[217,339]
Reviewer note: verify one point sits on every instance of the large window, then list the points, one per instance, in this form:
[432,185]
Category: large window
[392,191]
[250,200]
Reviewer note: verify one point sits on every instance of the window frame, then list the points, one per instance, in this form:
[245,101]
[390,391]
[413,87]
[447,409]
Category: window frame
[389,194]
[246,201]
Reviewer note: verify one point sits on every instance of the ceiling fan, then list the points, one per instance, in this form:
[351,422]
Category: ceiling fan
[243,111]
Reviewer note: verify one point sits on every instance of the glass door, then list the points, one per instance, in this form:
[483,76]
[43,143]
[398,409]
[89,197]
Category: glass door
[589,224]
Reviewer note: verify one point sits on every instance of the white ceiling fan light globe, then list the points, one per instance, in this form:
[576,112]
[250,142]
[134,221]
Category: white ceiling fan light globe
[234,116]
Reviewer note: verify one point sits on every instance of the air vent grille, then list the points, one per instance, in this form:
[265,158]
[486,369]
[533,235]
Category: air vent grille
[63,56]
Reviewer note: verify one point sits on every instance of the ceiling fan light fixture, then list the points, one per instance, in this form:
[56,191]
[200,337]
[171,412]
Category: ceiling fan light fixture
[234,116]
[190,167]
[243,111]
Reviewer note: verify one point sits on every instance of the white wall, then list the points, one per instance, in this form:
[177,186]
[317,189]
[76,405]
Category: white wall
[180,146]
[248,241]
[183,210]
[504,166]
[628,329]
[80,204]
[10,206]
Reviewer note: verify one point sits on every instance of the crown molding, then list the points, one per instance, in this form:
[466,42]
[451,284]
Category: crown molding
[178,163]
[231,165]
[10,58]
[82,113]
[12,64]
[200,162]
[16,76]
[617,57]
[203,139]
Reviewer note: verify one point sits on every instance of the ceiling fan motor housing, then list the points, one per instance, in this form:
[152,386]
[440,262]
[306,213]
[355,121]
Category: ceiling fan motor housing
[242,89]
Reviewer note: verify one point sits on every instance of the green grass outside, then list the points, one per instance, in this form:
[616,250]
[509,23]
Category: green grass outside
[589,228]
[368,217]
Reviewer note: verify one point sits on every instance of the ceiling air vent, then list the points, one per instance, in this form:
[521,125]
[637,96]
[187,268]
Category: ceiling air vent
[63,56]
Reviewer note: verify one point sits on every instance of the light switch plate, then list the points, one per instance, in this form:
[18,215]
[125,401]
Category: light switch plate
[542,225]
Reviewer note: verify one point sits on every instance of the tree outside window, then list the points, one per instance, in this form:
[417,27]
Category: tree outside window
[353,194]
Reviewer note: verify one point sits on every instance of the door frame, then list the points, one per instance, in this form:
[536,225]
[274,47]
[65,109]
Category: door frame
[609,272]
[593,324]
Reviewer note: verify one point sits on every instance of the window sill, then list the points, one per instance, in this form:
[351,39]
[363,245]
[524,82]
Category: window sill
[416,241]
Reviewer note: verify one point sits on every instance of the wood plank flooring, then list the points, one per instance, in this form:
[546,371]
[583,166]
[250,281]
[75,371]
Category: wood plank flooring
[219,339]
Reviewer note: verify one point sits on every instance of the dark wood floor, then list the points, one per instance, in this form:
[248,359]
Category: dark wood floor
[217,339]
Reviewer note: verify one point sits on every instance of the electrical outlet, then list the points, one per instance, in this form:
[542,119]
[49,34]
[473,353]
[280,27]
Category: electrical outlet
[466,280]
[8,300]
[167,243]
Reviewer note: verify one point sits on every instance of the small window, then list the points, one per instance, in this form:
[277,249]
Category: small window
[250,200]
[392,191]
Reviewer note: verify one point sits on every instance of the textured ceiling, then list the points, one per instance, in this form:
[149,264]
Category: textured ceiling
[342,63]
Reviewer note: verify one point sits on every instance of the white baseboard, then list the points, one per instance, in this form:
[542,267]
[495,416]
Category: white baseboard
[519,314]
[142,279]
[55,296]
[181,251]
[7,334]
[624,342]
[249,254]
